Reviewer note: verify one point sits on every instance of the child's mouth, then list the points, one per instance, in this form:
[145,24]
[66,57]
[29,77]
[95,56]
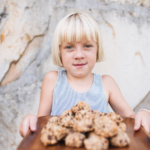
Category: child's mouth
[79,65]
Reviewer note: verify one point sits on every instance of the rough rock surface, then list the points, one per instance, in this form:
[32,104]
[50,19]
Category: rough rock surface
[26,30]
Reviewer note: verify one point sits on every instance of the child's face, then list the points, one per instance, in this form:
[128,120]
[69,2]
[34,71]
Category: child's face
[79,58]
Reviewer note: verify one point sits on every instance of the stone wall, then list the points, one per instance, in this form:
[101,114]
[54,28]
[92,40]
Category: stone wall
[26,30]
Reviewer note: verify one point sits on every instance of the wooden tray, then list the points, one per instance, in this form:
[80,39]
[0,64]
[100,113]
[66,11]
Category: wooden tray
[139,139]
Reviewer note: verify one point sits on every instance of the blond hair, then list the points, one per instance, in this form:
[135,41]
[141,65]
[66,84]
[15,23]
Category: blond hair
[75,26]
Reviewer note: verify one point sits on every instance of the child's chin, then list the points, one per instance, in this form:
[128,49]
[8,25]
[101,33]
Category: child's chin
[80,74]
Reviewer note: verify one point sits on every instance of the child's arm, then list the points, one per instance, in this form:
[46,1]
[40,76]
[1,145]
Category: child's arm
[45,106]
[115,98]
[119,105]
[46,99]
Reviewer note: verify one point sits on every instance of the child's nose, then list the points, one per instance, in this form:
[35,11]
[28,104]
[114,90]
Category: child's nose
[79,54]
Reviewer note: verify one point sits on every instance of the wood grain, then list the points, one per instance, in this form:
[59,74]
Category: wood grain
[139,139]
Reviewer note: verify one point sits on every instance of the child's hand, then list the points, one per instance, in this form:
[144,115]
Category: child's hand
[142,119]
[29,122]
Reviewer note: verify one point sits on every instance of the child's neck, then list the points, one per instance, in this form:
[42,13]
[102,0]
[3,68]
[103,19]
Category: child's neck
[81,84]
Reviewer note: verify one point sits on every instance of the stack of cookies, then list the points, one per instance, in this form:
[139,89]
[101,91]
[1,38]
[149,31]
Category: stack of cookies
[82,126]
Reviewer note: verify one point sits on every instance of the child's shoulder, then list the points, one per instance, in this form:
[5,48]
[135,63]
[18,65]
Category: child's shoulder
[52,75]
[51,78]
[107,79]
[109,86]
[108,82]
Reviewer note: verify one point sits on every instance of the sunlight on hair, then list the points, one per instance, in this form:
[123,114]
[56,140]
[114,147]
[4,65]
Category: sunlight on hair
[75,29]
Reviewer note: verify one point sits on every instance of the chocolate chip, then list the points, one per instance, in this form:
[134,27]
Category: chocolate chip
[105,114]
[71,132]
[120,141]
[49,137]
[89,126]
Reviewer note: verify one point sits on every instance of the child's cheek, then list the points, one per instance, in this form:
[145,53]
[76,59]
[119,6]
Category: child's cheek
[66,59]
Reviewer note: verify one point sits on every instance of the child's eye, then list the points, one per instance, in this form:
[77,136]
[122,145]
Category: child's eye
[87,46]
[69,47]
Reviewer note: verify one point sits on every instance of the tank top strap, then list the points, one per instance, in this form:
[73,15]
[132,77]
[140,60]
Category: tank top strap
[98,81]
[64,97]
[61,79]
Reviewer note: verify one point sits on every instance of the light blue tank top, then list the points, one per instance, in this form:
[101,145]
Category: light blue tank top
[64,97]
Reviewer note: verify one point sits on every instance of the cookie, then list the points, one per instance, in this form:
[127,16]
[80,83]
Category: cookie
[83,125]
[81,106]
[70,130]
[48,139]
[103,114]
[115,117]
[67,118]
[54,120]
[74,139]
[67,121]
[122,126]
[52,133]
[66,113]
[84,114]
[99,114]
[96,113]
[105,127]
[95,142]
[120,140]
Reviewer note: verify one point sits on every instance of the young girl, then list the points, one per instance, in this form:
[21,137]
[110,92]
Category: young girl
[77,46]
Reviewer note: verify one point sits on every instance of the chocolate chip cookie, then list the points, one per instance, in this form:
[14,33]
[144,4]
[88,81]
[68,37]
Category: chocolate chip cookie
[115,117]
[81,106]
[67,121]
[95,142]
[120,140]
[105,127]
[122,126]
[66,113]
[83,125]
[54,120]
[67,118]
[52,133]
[75,139]
[96,113]
[84,114]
